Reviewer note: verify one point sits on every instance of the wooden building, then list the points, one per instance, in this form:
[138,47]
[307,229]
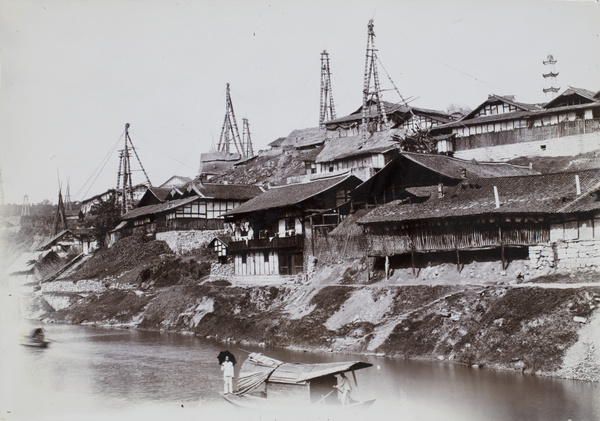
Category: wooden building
[405,175]
[500,121]
[271,232]
[219,245]
[353,153]
[197,206]
[402,117]
[503,218]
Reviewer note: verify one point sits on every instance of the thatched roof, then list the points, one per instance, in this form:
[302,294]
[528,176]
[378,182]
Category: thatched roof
[535,194]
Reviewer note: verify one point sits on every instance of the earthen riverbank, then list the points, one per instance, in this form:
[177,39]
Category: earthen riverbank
[547,326]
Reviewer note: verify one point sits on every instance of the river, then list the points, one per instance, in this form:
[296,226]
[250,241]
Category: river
[93,373]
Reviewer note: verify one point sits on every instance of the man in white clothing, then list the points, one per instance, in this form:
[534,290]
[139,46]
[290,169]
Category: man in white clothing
[227,369]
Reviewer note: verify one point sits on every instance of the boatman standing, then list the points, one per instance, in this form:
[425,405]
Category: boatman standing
[227,369]
[344,388]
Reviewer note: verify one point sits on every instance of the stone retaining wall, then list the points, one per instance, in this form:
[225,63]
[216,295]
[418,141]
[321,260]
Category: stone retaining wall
[182,242]
[566,255]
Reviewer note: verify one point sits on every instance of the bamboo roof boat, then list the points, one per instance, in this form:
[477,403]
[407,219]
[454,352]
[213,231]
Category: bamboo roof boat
[265,383]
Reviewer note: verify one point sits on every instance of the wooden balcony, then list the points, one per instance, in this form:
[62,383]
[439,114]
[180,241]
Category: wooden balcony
[295,242]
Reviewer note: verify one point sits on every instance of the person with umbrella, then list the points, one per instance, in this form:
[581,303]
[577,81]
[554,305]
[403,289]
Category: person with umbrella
[227,360]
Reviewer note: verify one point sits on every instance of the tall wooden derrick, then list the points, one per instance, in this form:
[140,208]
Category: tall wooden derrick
[327,106]
[60,217]
[550,77]
[230,133]
[246,139]
[374,117]
[26,206]
[124,191]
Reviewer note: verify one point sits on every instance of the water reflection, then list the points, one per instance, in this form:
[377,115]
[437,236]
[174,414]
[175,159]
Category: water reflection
[95,373]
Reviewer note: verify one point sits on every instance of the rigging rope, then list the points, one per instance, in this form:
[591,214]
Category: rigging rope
[99,169]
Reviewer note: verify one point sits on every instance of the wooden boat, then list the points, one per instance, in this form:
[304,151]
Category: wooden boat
[268,384]
[36,339]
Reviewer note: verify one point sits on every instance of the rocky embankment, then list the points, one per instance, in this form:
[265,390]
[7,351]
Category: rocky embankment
[548,328]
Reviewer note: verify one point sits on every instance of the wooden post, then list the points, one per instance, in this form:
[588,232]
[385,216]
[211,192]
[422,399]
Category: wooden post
[312,236]
[501,247]
[412,260]
[387,268]
[457,260]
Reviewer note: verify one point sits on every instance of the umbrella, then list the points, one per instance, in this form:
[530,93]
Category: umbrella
[223,354]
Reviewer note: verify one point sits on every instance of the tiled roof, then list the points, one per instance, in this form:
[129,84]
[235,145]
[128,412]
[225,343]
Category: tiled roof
[226,191]
[310,155]
[499,98]
[277,142]
[175,180]
[305,137]
[225,239]
[527,110]
[584,93]
[345,147]
[453,167]
[535,194]
[160,193]
[291,194]
[219,156]
[159,208]
[54,238]
[391,108]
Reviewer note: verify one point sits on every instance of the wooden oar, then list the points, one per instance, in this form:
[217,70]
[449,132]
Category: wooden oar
[323,397]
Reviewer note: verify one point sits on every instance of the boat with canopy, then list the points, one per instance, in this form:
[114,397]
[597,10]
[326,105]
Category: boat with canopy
[267,383]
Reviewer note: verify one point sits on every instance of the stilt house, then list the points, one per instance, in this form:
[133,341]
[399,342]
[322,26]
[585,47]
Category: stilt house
[552,219]
[272,231]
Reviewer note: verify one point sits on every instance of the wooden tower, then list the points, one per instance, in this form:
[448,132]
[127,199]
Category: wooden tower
[327,107]
[373,111]
[124,191]
[230,133]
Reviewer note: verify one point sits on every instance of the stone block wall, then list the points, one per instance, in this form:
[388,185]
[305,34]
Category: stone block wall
[566,255]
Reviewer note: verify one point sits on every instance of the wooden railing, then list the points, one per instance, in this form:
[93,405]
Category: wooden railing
[293,242]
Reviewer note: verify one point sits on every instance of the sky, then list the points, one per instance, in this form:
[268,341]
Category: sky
[74,72]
